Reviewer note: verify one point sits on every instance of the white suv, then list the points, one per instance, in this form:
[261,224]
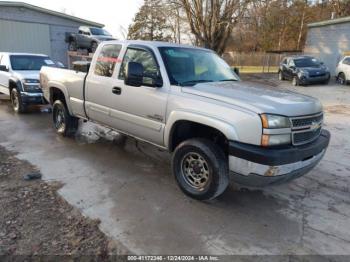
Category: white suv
[343,71]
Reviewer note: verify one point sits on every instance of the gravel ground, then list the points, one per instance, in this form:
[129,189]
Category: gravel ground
[35,220]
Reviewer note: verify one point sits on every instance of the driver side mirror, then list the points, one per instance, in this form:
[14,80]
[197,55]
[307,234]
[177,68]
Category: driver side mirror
[4,68]
[134,74]
[236,70]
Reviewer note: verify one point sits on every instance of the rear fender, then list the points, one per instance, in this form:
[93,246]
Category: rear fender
[63,89]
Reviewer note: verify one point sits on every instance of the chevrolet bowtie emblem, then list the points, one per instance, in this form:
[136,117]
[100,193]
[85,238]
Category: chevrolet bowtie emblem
[315,125]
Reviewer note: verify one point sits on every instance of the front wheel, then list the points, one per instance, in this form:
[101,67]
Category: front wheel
[280,76]
[93,47]
[200,168]
[16,102]
[295,81]
[64,123]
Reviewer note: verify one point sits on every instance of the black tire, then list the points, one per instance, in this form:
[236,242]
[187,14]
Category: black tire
[93,47]
[280,76]
[295,81]
[65,124]
[16,102]
[207,158]
[72,46]
[341,79]
[327,81]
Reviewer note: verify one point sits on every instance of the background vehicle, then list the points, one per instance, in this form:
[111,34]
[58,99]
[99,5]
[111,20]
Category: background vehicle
[303,70]
[19,78]
[189,101]
[342,71]
[87,38]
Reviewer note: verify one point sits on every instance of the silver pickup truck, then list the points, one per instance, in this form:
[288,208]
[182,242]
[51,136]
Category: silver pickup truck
[188,101]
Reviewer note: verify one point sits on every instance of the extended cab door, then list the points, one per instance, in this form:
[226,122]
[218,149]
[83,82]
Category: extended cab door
[4,74]
[138,111]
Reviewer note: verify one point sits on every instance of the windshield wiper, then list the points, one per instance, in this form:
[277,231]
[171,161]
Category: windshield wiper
[227,80]
[193,82]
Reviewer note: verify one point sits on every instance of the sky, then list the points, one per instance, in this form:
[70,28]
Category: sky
[115,14]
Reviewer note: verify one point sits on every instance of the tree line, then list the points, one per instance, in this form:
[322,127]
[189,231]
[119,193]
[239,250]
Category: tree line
[234,25]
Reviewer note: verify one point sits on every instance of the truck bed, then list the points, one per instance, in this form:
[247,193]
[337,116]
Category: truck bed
[70,81]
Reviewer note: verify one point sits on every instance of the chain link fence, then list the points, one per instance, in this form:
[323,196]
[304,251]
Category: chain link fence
[256,62]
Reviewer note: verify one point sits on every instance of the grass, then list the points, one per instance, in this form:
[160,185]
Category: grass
[257,69]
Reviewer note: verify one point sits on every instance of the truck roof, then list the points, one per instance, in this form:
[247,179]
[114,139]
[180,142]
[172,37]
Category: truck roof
[154,44]
[29,54]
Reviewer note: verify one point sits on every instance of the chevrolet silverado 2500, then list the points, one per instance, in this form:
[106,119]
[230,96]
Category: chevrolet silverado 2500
[19,78]
[188,101]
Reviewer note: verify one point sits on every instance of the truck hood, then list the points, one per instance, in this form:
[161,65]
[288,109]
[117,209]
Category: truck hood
[26,74]
[257,98]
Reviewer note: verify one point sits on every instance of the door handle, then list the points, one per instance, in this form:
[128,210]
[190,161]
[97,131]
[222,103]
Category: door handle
[117,90]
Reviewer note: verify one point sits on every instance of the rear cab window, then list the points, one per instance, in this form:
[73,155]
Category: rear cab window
[107,60]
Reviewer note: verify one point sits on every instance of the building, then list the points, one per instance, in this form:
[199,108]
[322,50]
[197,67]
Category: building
[32,29]
[329,41]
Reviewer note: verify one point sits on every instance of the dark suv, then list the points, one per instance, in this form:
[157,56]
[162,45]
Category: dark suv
[303,70]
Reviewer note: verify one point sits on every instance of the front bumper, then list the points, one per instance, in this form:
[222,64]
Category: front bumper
[258,167]
[315,79]
[33,98]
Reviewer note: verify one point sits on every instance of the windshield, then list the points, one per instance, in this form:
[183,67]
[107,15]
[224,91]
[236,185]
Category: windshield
[307,62]
[30,63]
[190,66]
[99,31]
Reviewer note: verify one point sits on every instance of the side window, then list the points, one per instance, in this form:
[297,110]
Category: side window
[151,71]
[346,61]
[107,60]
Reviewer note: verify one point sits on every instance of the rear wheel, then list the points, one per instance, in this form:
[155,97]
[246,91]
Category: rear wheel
[200,168]
[342,79]
[16,102]
[64,123]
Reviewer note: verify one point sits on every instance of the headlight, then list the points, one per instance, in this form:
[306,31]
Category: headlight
[31,85]
[275,121]
[276,137]
[303,72]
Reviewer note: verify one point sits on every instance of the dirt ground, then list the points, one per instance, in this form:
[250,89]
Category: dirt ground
[35,220]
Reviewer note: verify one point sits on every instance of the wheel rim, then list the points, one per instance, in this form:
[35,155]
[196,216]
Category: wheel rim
[60,119]
[294,81]
[341,79]
[195,171]
[15,101]
[94,47]
[280,76]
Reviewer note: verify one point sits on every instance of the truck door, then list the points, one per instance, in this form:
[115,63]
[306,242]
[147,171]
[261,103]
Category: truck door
[138,111]
[84,37]
[4,74]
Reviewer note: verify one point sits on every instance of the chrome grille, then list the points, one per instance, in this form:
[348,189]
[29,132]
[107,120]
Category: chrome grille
[306,129]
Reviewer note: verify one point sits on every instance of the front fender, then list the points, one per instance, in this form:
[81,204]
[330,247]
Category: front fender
[227,129]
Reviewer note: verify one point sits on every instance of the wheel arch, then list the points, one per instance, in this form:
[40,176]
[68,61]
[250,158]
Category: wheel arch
[58,92]
[191,122]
